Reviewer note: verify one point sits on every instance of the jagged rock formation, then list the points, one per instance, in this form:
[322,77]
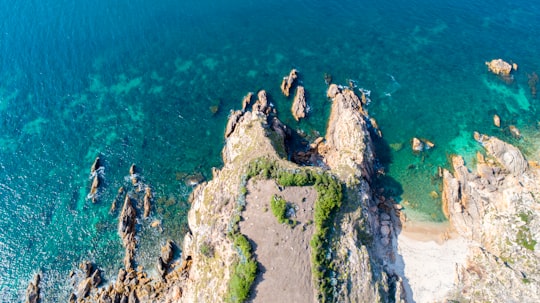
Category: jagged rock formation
[288,82]
[496,207]
[366,229]
[246,101]
[299,106]
[33,290]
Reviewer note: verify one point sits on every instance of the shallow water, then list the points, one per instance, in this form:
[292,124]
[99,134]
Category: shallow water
[134,82]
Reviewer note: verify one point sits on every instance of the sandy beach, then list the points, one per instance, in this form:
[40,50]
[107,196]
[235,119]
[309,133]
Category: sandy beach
[428,255]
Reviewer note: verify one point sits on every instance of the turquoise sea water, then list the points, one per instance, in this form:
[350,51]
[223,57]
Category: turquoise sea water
[133,81]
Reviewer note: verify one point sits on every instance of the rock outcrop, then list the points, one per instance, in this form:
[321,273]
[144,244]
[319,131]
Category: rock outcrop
[349,153]
[288,81]
[299,106]
[496,207]
[499,67]
[147,202]
[126,229]
[346,154]
[33,290]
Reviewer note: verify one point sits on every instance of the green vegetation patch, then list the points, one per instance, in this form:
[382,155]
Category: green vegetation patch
[245,267]
[245,271]
[279,208]
[525,239]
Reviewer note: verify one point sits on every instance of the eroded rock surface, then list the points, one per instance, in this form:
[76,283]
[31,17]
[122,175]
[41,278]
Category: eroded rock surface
[496,206]
[299,106]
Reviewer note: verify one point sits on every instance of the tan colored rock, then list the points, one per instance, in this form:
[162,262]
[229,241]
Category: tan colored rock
[261,105]
[514,66]
[333,90]
[499,67]
[147,202]
[167,252]
[496,120]
[299,106]
[234,117]
[132,169]
[417,145]
[288,82]
[87,268]
[133,175]
[95,166]
[84,288]
[94,188]
[246,101]
[428,144]
[507,155]
[480,158]
[33,292]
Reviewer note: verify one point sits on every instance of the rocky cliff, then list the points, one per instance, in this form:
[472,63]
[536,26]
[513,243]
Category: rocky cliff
[497,207]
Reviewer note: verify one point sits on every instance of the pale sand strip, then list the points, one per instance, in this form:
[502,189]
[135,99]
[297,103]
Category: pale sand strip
[428,258]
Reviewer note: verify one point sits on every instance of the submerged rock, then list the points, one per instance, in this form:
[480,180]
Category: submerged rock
[532,82]
[299,106]
[514,131]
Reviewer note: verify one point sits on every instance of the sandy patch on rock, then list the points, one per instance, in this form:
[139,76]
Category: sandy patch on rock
[428,257]
[283,252]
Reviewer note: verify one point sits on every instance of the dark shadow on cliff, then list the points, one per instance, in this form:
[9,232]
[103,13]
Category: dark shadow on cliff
[388,191]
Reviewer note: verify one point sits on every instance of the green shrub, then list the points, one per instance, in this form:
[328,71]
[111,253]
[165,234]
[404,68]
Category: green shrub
[241,280]
[279,208]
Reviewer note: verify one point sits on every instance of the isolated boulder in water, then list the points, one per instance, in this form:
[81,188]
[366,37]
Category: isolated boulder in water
[417,145]
[496,120]
[288,82]
[499,67]
[299,106]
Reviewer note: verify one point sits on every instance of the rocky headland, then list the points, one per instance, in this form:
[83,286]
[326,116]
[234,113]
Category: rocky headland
[265,228]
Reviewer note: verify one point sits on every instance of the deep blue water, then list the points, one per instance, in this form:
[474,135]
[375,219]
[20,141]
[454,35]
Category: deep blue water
[133,81]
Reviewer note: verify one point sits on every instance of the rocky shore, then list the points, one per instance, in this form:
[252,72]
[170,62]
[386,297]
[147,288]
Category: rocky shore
[489,243]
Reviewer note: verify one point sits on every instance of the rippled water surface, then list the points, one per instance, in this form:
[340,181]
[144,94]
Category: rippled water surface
[139,82]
